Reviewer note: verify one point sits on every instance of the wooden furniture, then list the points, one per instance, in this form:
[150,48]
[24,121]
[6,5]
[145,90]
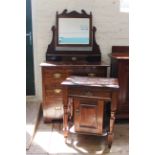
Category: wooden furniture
[63,60]
[73,52]
[53,73]
[84,99]
[120,70]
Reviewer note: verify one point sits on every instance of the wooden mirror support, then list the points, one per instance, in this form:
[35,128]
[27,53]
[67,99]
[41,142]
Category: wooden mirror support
[89,52]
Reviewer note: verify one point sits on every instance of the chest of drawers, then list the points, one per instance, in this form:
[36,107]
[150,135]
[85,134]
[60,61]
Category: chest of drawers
[53,74]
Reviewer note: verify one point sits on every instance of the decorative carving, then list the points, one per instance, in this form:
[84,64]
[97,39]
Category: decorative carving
[65,11]
[73,13]
[92,52]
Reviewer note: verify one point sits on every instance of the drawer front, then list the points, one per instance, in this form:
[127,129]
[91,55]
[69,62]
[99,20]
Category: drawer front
[91,71]
[88,92]
[53,109]
[54,75]
[54,102]
[53,97]
[54,92]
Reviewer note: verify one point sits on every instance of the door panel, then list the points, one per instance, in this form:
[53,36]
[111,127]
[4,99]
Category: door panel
[123,69]
[88,115]
[85,120]
[29,52]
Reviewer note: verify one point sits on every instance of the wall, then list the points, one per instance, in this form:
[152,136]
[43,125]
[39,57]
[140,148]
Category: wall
[112,27]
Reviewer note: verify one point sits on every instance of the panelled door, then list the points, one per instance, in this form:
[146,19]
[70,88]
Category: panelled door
[30,90]
[88,115]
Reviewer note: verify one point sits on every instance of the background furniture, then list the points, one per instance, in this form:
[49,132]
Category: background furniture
[53,73]
[120,70]
[88,97]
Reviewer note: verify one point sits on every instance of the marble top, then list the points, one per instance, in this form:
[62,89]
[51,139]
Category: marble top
[91,81]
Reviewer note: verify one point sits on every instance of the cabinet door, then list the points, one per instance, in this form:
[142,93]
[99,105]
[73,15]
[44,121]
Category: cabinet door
[123,76]
[88,115]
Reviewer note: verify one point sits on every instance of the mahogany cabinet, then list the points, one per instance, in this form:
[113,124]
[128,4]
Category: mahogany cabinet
[120,69]
[53,73]
[88,97]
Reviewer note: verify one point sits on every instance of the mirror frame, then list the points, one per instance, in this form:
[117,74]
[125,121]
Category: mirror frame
[75,15]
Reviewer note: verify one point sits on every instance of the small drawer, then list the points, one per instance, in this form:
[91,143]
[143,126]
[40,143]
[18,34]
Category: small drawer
[53,80]
[54,74]
[54,110]
[89,71]
[91,74]
[54,91]
[53,101]
[88,92]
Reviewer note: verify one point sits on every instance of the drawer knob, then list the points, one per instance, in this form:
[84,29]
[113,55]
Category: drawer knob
[77,110]
[74,58]
[88,93]
[91,74]
[57,75]
[57,108]
[57,91]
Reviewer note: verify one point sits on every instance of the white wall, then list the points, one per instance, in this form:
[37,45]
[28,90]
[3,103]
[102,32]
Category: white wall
[112,27]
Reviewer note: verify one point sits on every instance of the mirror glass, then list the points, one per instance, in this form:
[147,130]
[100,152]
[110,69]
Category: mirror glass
[74,31]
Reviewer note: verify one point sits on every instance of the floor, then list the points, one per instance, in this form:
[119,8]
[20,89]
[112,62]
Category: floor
[32,115]
[49,140]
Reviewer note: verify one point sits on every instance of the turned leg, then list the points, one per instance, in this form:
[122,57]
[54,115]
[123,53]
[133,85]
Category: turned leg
[65,122]
[65,117]
[110,134]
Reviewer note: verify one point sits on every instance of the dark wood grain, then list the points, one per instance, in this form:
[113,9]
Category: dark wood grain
[92,55]
[53,74]
[120,70]
[88,108]
[87,115]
